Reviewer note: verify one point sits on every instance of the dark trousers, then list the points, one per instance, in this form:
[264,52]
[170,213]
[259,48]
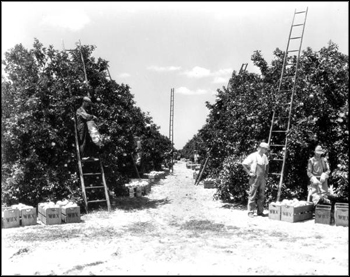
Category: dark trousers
[256,195]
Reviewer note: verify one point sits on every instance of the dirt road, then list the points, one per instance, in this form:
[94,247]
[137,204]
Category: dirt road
[177,229]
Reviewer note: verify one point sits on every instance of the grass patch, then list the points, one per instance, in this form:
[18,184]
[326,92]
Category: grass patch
[59,233]
[202,225]
[139,203]
[47,234]
[139,228]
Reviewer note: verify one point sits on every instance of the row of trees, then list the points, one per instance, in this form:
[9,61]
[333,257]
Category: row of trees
[241,116]
[42,90]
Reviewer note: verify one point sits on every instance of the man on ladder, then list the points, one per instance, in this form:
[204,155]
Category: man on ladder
[89,138]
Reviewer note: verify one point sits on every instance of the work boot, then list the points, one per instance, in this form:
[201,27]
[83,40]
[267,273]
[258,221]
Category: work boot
[262,215]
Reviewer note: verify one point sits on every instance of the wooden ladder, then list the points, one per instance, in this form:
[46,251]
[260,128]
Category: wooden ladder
[86,176]
[99,171]
[281,117]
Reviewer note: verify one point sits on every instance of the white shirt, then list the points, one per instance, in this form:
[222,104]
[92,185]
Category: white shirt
[255,158]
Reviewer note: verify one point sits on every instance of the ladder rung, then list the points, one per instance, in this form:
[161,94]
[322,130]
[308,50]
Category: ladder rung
[297,25]
[95,187]
[273,173]
[278,160]
[96,201]
[279,131]
[292,51]
[91,174]
[279,145]
[295,37]
[300,12]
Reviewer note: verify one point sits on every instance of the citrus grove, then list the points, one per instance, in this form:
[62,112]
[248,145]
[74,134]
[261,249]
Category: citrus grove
[42,90]
[241,116]
[43,87]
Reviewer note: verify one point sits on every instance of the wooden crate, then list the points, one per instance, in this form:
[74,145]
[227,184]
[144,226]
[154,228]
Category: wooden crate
[274,211]
[341,214]
[147,188]
[209,184]
[323,214]
[50,216]
[138,191]
[295,214]
[10,218]
[131,192]
[28,216]
[70,214]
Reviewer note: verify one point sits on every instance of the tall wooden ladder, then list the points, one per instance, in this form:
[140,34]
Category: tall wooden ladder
[243,69]
[281,117]
[92,177]
[98,172]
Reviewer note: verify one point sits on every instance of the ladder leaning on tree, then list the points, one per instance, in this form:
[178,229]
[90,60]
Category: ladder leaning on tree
[243,69]
[281,117]
[97,171]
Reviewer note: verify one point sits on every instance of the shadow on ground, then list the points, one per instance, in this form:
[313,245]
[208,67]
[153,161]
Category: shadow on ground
[235,206]
[139,203]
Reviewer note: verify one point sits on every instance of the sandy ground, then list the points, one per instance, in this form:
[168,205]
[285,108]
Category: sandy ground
[177,229]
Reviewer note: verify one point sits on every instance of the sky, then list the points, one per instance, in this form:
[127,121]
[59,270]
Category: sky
[192,47]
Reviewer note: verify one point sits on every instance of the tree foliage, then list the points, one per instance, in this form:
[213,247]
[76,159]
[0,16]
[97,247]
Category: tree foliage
[42,90]
[241,116]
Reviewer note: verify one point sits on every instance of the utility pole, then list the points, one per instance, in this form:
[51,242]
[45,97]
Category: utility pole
[171,127]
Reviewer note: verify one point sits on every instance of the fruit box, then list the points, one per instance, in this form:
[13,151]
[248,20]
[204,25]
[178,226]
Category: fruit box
[274,211]
[209,184]
[28,216]
[295,214]
[50,216]
[10,218]
[70,214]
[323,214]
[341,214]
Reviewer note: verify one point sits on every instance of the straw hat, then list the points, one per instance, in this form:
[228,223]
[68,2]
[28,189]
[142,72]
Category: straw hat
[87,99]
[319,150]
[264,145]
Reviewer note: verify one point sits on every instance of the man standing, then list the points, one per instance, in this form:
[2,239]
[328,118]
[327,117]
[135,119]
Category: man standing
[195,157]
[257,167]
[87,147]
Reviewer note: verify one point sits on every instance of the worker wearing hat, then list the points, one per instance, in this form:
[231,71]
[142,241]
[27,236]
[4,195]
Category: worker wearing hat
[85,142]
[318,171]
[257,166]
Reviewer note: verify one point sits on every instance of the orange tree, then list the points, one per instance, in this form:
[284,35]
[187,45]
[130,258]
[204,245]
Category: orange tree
[241,115]
[40,93]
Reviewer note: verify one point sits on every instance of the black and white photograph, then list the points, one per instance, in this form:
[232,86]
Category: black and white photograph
[175,138]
